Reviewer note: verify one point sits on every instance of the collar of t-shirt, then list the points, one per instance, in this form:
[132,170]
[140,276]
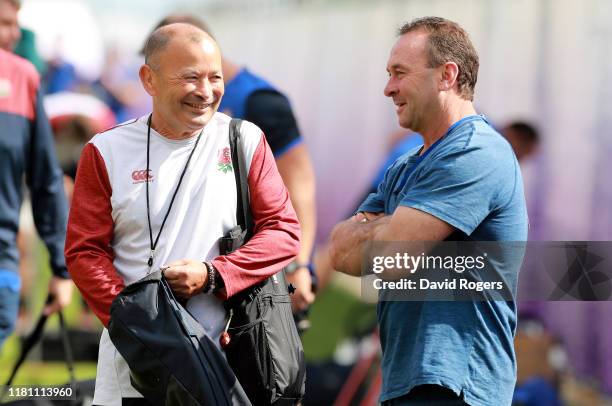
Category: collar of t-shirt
[417,159]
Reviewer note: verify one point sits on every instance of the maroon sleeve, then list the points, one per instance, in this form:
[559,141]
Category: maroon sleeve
[89,255]
[276,234]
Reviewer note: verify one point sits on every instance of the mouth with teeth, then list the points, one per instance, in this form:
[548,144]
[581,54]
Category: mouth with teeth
[198,106]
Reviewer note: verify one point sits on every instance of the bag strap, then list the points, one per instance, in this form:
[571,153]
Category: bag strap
[243,207]
[33,338]
[67,349]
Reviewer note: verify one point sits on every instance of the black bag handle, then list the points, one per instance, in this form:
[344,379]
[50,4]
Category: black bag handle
[243,208]
[33,338]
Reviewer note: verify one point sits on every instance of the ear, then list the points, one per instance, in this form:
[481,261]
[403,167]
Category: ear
[146,78]
[450,71]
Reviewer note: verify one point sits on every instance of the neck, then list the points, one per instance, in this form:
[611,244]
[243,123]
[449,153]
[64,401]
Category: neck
[447,116]
[230,70]
[166,130]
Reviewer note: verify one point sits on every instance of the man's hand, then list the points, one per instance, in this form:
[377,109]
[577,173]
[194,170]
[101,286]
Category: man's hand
[60,290]
[348,237]
[364,217]
[303,295]
[186,277]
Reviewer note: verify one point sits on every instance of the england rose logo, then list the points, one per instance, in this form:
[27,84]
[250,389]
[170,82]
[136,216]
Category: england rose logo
[225,160]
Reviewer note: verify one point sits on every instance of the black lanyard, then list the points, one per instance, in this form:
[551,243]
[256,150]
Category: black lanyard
[154,244]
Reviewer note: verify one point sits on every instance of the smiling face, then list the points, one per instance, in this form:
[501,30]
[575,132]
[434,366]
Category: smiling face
[186,83]
[412,84]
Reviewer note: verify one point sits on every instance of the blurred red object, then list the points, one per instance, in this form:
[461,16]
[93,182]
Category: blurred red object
[63,107]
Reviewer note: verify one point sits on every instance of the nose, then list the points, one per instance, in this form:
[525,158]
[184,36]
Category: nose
[390,88]
[204,89]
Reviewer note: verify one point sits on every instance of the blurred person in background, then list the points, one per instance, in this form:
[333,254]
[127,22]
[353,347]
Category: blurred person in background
[539,374]
[75,118]
[252,98]
[542,363]
[523,137]
[60,76]
[467,187]
[400,143]
[26,147]
[119,85]
[26,48]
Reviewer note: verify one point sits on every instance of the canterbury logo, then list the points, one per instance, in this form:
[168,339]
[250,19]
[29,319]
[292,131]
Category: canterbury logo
[141,176]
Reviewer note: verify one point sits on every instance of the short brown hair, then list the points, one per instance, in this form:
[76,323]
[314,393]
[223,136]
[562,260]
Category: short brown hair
[448,42]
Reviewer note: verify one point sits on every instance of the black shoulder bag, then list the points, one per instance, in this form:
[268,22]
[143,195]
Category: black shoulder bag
[264,350]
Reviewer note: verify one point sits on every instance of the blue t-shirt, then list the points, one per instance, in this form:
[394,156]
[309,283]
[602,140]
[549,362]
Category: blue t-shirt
[249,97]
[471,180]
[10,279]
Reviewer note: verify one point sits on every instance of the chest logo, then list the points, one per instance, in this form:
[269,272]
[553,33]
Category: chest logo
[141,176]
[5,88]
[224,160]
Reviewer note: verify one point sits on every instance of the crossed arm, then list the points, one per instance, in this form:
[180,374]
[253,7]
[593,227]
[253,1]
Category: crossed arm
[405,224]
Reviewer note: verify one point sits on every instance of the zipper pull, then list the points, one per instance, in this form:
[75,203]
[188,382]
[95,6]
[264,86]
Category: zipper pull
[225,338]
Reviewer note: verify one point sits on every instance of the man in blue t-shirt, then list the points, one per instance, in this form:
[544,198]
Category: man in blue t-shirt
[463,183]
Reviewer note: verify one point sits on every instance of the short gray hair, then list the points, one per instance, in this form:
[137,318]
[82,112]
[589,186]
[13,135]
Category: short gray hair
[157,41]
[160,38]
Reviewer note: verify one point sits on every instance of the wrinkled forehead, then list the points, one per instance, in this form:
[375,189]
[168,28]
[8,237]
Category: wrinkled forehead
[185,53]
[193,44]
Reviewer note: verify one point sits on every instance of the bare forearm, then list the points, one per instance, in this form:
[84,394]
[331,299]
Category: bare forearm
[347,240]
[304,205]
[296,170]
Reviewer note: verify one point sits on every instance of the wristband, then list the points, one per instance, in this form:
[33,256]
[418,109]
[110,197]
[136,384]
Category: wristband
[294,266]
[210,282]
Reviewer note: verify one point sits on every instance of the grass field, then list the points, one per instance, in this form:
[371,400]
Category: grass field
[335,315]
[33,371]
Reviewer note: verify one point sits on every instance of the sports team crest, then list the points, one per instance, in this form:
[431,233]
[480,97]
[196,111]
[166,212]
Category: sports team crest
[225,160]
